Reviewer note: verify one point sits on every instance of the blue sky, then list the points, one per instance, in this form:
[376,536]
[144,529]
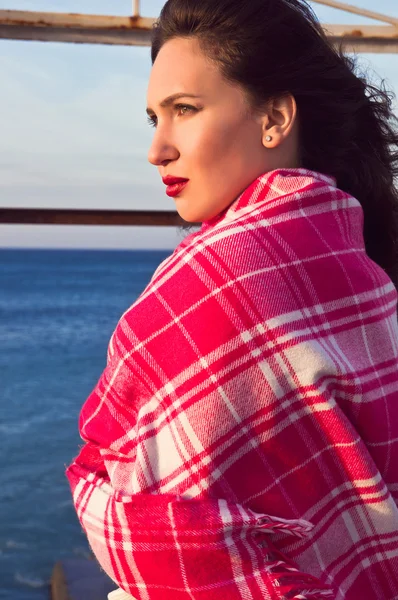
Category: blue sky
[74,132]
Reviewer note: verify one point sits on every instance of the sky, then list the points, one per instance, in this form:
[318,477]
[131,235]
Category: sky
[74,132]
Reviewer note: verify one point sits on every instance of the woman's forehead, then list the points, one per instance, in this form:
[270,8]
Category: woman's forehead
[181,67]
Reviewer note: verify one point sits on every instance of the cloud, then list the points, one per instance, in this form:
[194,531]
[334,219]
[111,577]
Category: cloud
[66,236]
[82,147]
[109,114]
[76,195]
[106,7]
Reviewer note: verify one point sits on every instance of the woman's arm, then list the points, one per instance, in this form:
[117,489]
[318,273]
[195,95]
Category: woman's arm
[162,547]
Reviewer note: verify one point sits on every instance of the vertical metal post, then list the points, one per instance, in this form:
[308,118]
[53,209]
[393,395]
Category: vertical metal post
[136,8]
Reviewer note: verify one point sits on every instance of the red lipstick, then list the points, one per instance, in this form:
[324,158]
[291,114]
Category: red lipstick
[175,185]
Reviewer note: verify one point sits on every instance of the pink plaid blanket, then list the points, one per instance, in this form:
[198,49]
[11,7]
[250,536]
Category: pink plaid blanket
[241,443]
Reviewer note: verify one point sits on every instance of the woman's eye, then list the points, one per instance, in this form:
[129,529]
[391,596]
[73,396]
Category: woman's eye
[152,120]
[181,109]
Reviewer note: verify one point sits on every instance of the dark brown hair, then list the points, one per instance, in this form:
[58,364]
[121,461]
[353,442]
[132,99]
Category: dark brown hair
[347,126]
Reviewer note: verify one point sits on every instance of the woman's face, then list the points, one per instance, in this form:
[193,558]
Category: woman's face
[205,131]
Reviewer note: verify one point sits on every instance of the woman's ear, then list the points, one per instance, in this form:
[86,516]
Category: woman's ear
[278,120]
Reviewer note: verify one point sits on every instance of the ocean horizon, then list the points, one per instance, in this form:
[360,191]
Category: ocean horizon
[58,309]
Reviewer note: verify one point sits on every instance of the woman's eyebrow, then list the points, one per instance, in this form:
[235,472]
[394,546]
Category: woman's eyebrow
[170,99]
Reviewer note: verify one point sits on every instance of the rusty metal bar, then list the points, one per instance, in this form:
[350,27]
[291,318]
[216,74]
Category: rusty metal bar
[367,46]
[384,33]
[367,38]
[358,11]
[76,28]
[56,216]
[136,30]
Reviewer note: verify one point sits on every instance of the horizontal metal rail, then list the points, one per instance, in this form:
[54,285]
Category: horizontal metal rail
[57,216]
[378,39]
[136,30]
[75,28]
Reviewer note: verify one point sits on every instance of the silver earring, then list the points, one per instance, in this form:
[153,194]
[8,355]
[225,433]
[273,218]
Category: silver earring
[268,138]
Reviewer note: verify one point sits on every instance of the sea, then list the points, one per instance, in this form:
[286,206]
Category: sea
[58,309]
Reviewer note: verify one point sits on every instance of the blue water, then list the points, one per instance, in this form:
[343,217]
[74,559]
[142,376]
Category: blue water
[58,309]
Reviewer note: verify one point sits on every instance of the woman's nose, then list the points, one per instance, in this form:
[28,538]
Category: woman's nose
[162,150]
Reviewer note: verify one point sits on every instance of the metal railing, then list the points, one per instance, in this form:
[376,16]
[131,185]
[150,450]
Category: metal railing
[66,216]
[135,30]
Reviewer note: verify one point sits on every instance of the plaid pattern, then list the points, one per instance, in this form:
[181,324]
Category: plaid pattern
[241,443]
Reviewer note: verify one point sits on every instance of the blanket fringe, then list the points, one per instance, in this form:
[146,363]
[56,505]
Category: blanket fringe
[313,594]
[296,585]
[290,583]
[297,527]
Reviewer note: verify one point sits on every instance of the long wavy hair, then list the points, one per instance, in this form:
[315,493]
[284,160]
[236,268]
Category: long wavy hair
[347,125]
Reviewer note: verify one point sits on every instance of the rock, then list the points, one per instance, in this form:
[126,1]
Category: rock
[80,579]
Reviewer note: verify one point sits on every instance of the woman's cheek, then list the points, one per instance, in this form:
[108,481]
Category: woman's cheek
[203,138]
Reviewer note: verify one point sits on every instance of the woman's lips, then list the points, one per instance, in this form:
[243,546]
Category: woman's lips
[176,188]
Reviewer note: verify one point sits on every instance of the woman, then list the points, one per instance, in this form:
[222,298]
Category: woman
[241,442]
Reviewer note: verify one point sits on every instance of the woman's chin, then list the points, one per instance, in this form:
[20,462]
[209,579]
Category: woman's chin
[188,216]
[193,216]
